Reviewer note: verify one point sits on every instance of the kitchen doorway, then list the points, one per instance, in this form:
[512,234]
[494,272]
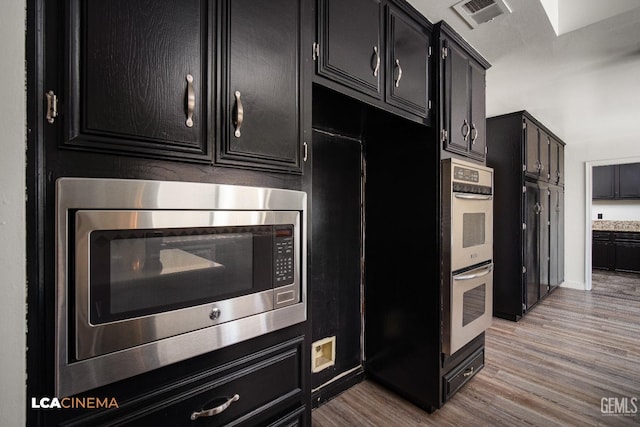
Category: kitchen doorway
[588,245]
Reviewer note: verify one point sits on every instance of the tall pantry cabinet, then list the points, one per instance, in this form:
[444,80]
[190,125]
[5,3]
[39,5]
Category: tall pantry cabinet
[528,246]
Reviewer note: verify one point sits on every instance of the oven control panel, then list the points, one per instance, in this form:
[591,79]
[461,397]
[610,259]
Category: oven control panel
[468,178]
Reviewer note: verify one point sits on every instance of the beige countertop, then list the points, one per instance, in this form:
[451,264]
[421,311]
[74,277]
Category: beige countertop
[607,225]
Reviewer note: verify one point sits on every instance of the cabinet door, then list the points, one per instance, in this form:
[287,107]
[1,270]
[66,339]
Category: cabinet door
[262,118]
[602,250]
[556,236]
[531,149]
[456,99]
[544,243]
[627,256]
[603,179]
[131,68]
[478,111]
[544,147]
[408,58]
[351,50]
[556,162]
[532,210]
[629,181]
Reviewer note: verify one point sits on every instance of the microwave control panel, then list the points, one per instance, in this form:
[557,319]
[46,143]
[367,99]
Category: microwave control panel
[283,256]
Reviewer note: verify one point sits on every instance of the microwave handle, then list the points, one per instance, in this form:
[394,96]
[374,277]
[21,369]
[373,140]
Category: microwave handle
[473,275]
[469,196]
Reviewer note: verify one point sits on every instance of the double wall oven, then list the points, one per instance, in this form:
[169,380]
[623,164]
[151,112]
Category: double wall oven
[467,230]
[153,272]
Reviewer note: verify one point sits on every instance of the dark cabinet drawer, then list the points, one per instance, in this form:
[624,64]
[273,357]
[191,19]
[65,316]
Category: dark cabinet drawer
[269,392]
[463,373]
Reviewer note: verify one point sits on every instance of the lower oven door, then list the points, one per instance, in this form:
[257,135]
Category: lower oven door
[471,308]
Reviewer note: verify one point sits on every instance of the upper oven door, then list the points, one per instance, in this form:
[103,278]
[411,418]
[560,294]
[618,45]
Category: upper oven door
[142,275]
[471,229]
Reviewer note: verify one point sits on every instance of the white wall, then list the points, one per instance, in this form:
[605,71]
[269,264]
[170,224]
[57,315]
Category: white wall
[12,214]
[616,210]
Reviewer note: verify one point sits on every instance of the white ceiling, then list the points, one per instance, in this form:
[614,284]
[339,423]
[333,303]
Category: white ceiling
[583,84]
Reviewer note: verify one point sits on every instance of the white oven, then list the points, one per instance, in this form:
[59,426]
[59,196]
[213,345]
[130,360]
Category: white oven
[467,230]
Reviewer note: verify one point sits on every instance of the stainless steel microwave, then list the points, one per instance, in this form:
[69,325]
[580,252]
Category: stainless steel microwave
[150,273]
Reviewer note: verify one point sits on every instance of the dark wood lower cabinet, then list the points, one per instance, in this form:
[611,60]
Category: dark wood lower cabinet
[261,388]
[616,251]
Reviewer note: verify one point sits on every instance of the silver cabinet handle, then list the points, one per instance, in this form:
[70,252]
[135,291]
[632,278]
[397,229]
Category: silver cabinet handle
[399,72]
[191,100]
[465,129]
[216,410]
[474,133]
[474,274]
[377,67]
[471,196]
[468,372]
[239,117]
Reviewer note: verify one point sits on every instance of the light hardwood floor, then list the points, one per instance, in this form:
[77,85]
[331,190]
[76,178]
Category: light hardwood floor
[552,368]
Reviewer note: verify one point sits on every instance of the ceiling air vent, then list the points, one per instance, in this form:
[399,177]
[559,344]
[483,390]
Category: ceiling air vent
[477,12]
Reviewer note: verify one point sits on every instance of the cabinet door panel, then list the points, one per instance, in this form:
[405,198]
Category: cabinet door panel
[262,119]
[544,153]
[531,151]
[531,236]
[627,256]
[603,179]
[129,63]
[629,184]
[456,99]
[478,110]
[544,239]
[351,45]
[407,75]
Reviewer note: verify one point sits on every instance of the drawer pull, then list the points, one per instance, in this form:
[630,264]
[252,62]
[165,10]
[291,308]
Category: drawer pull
[215,411]
[468,372]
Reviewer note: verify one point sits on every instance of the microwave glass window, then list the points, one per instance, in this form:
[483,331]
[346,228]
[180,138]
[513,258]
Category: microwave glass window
[473,229]
[140,272]
[473,304]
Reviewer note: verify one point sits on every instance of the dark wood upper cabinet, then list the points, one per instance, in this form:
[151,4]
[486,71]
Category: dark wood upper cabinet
[407,79]
[604,182]
[131,70]
[350,39]
[462,95]
[263,84]
[556,162]
[629,181]
[376,51]
[538,142]
[616,181]
[174,79]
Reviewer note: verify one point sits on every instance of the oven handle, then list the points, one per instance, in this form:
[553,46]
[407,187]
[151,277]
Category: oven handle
[473,275]
[470,196]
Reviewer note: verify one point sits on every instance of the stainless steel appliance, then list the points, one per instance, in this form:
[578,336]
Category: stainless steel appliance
[467,229]
[150,273]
